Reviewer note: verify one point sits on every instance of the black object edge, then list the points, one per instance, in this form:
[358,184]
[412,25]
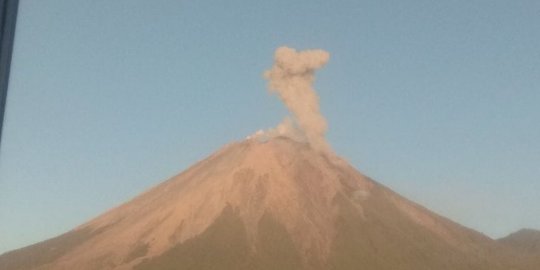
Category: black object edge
[8,19]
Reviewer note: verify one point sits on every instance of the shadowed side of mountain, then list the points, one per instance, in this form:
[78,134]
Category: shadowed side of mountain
[378,237]
[224,245]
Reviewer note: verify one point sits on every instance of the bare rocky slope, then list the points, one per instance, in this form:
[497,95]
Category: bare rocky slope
[268,205]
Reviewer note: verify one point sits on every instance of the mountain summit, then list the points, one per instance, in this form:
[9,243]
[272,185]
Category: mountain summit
[275,204]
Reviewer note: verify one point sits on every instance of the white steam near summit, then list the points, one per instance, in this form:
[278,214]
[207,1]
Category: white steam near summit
[291,78]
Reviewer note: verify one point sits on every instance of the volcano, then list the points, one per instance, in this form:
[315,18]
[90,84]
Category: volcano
[273,204]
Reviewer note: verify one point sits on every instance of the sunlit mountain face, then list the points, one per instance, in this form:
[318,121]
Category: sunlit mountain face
[268,204]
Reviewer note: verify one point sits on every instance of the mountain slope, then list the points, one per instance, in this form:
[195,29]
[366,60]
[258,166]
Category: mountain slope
[277,204]
[526,244]
[525,240]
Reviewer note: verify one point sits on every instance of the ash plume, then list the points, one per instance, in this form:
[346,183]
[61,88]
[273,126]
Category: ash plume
[291,78]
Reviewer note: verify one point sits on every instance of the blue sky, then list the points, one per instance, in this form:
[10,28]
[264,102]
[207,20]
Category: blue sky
[438,100]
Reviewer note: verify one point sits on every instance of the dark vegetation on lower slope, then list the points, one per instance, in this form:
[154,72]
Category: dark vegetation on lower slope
[47,251]
[224,246]
[384,240]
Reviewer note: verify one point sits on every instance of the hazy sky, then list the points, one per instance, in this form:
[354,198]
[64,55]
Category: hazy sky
[439,100]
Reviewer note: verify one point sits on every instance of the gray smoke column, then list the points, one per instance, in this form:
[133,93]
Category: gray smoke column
[292,77]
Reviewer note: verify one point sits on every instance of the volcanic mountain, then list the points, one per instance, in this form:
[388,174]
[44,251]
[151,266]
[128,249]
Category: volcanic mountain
[275,204]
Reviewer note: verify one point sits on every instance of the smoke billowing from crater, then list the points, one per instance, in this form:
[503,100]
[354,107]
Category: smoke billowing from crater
[291,78]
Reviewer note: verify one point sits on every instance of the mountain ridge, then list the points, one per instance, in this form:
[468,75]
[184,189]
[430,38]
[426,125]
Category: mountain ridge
[264,204]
